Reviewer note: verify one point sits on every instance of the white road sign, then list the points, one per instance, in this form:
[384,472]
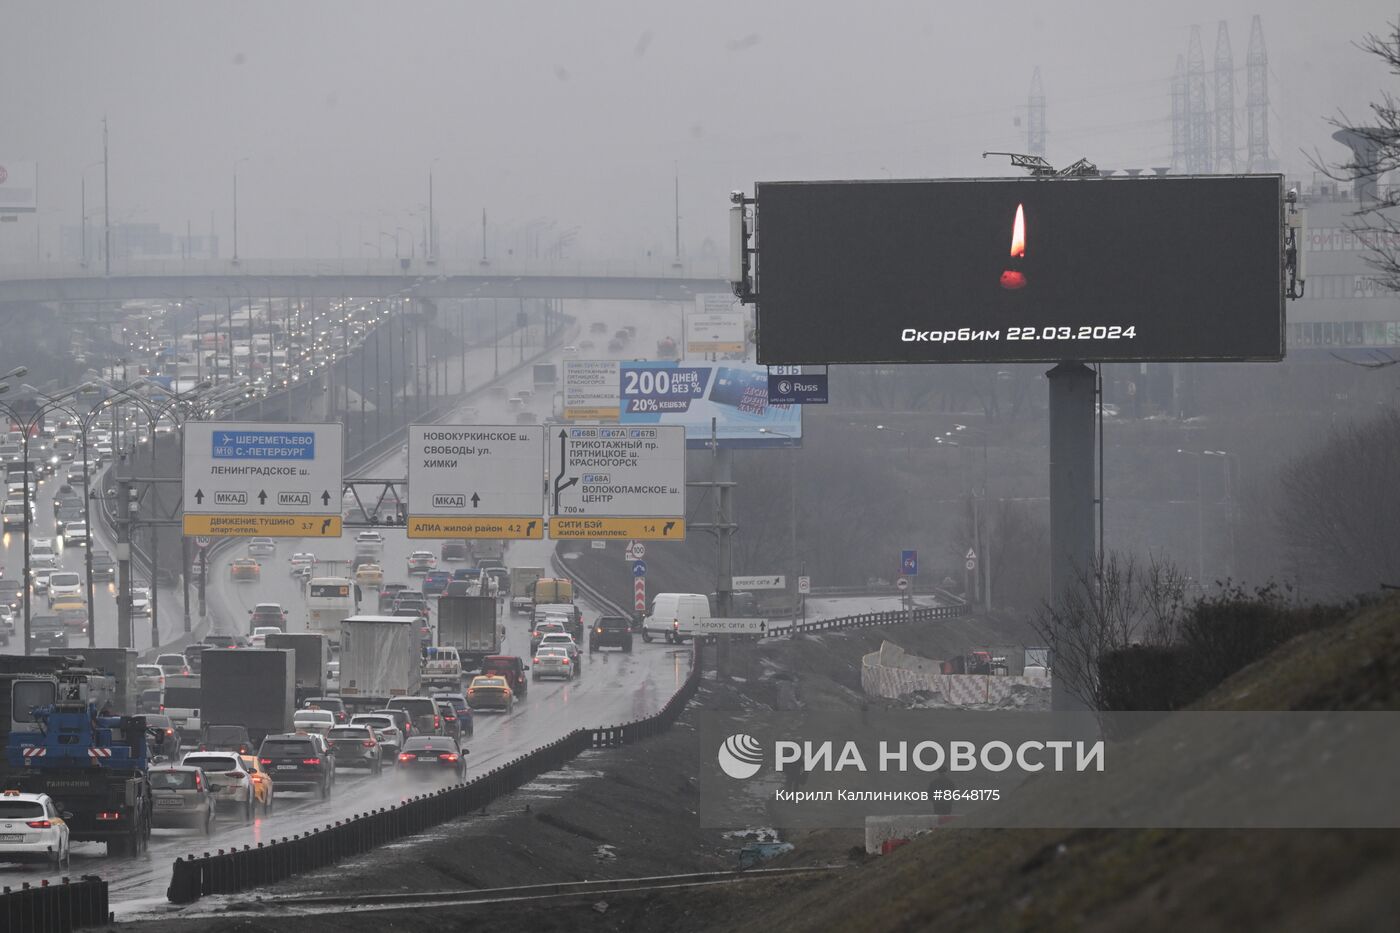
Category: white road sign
[637,550]
[591,390]
[602,479]
[257,478]
[729,626]
[804,585]
[767,582]
[475,481]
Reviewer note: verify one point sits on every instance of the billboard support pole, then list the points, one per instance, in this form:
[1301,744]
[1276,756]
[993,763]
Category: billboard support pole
[1071,489]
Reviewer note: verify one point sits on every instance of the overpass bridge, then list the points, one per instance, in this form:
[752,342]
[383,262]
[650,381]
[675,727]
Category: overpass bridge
[645,280]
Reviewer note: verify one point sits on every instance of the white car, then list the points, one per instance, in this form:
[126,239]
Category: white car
[553,661]
[149,677]
[75,533]
[229,782]
[559,640]
[386,730]
[259,637]
[64,583]
[370,538]
[318,721]
[32,827]
[140,601]
[41,547]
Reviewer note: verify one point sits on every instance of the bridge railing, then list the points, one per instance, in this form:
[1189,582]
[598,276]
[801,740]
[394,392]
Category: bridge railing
[413,271]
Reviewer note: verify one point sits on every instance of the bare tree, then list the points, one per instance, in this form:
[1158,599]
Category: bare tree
[1111,605]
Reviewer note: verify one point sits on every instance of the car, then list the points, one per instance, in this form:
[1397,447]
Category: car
[553,662]
[487,692]
[72,611]
[140,601]
[401,719]
[173,665]
[151,702]
[103,566]
[370,538]
[245,570]
[320,721]
[615,345]
[267,615]
[335,704]
[40,577]
[194,657]
[77,476]
[233,738]
[220,640]
[369,574]
[356,746]
[65,584]
[451,722]
[422,712]
[301,559]
[388,593]
[598,327]
[149,677]
[162,737]
[75,534]
[435,582]
[611,632]
[259,637]
[673,615]
[511,668]
[261,546]
[65,517]
[562,640]
[386,732]
[467,574]
[421,562]
[230,785]
[410,600]
[458,702]
[454,550]
[10,591]
[586,345]
[432,754]
[297,760]
[547,626]
[40,548]
[180,798]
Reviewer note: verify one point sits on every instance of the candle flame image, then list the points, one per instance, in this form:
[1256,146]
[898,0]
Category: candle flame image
[1014,279]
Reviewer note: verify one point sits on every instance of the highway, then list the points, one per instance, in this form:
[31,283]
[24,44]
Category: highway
[614,687]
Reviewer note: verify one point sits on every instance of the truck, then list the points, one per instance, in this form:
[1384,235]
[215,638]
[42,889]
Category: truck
[94,766]
[379,657]
[254,689]
[119,663]
[470,625]
[182,700]
[550,591]
[313,655]
[521,596]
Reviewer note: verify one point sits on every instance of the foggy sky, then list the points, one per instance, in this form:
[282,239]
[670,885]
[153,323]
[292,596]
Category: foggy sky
[576,112]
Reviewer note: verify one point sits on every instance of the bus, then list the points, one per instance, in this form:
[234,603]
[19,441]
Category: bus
[328,601]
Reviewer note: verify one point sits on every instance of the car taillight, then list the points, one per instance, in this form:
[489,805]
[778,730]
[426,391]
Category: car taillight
[408,756]
[39,824]
[109,815]
[368,743]
[437,722]
[566,660]
[448,757]
[676,624]
[471,691]
[170,731]
[311,761]
[450,718]
[265,761]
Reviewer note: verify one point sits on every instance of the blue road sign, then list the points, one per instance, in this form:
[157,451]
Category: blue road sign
[796,388]
[909,563]
[263,445]
[639,568]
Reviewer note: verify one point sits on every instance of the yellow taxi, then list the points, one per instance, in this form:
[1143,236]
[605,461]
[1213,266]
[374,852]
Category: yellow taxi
[245,569]
[72,610]
[487,692]
[369,575]
[262,781]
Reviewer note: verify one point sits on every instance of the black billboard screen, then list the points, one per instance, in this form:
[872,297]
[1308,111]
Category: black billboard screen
[1020,270]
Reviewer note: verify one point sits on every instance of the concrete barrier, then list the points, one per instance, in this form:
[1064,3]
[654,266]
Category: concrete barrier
[882,829]
[892,673]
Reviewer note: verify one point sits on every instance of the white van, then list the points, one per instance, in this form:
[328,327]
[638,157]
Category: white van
[672,615]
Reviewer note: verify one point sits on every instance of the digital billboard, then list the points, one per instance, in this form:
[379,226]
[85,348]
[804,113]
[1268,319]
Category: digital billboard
[691,393]
[1149,269]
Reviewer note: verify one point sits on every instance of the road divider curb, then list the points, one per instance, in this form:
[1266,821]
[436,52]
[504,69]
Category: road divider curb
[54,908]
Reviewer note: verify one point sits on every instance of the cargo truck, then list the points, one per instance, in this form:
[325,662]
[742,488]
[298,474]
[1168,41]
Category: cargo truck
[379,658]
[119,663]
[469,624]
[253,689]
[522,579]
[313,656]
[550,591]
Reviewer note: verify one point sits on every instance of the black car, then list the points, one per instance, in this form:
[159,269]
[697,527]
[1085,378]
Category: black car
[103,566]
[455,550]
[433,754]
[447,714]
[610,632]
[162,736]
[458,702]
[226,739]
[194,657]
[217,640]
[10,593]
[48,632]
[355,747]
[296,760]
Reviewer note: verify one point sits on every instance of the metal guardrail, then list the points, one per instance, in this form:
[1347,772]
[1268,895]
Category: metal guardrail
[54,908]
[866,620]
[233,870]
